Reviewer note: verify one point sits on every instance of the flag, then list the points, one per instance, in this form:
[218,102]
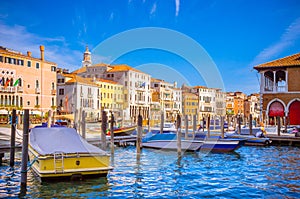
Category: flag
[0,80]
[16,82]
[7,82]
[143,84]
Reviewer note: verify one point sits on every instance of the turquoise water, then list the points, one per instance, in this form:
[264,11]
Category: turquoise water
[250,172]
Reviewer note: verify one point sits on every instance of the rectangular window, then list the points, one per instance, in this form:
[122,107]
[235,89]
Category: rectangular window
[61,91]
[37,65]
[53,68]
[1,58]
[29,63]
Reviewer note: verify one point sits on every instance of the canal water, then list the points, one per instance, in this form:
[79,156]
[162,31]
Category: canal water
[250,172]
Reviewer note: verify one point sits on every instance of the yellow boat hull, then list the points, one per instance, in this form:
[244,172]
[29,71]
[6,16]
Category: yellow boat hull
[75,164]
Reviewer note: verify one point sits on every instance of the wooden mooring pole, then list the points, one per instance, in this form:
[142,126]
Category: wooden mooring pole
[103,132]
[112,142]
[239,124]
[83,123]
[139,134]
[162,123]
[178,126]
[194,125]
[278,125]
[222,126]
[250,124]
[186,123]
[208,126]
[24,152]
[13,138]
[49,118]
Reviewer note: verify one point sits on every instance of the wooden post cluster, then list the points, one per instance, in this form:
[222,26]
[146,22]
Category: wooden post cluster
[103,132]
[112,141]
[139,134]
[13,138]
[178,127]
[25,152]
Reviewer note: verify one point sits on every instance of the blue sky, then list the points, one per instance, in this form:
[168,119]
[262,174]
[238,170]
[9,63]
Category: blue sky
[236,34]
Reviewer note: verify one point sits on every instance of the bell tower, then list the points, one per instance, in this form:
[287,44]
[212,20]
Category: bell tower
[87,61]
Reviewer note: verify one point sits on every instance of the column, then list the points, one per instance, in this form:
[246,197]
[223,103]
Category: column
[262,82]
[274,81]
[286,81]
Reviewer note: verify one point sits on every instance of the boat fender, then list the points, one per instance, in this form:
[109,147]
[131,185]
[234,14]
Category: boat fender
[267,142]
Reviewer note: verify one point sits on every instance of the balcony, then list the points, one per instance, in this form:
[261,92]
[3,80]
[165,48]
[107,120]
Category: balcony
[8,89]
[53,92]
[276,89]
[37,90]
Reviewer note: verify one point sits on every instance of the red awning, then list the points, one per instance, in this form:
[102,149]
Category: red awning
[276,109]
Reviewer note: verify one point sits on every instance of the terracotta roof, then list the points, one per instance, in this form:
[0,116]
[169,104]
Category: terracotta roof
[107,81]
[199,87]
[82,80]
[80,70]
[123,67]
[289,61]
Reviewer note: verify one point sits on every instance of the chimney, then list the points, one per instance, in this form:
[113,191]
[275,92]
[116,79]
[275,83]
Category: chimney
[42,49]
[28,53]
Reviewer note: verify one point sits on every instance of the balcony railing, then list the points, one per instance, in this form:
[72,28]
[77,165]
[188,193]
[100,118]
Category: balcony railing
[8,89]
[272,89]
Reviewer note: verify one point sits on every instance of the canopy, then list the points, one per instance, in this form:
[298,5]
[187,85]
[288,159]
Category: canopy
[60,139]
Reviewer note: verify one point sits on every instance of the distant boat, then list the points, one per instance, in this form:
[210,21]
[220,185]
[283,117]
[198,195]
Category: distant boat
[251,140]
[123,131]
[59,152]
[167,128]
[168,141]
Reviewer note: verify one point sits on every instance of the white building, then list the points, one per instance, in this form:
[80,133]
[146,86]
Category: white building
[75,93]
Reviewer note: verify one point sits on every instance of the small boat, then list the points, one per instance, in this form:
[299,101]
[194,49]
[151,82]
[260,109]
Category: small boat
[60,152]
[168,141]
[251,140]
[167,128]
[123,131]
[217,144]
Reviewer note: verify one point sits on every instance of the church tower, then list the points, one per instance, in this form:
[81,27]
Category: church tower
[87,60]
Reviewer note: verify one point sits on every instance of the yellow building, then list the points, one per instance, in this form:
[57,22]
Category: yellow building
[27,82]
[112,96]
[190,104]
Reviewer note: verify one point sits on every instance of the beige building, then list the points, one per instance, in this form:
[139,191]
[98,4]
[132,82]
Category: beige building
[27,82]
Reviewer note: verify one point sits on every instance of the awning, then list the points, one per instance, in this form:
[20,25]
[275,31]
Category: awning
[68,116]
[276,109]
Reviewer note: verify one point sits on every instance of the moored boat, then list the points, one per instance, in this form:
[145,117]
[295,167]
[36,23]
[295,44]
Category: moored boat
[251,140]
[123,131]
[215,143]
[168,141]
[59,152]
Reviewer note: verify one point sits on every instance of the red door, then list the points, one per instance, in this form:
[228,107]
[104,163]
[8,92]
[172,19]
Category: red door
[276,109]
[294,113]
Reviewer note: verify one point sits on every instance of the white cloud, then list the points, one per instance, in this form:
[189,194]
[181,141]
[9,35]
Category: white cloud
[18,38]
[288,38]
[153,10]
[177,3]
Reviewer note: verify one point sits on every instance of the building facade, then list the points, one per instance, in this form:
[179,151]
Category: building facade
[280,90]
[27,82]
